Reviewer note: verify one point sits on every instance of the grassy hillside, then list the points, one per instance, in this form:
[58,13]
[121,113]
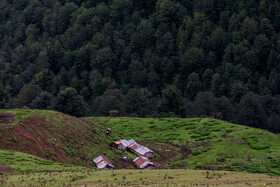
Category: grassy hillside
[52,135]
[201,143]
[22,162]
[179,143]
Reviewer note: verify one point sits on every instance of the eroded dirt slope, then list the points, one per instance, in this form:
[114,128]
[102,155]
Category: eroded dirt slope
[52,135]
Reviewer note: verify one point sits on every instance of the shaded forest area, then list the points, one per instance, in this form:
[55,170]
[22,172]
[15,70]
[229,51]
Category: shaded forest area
[147,58]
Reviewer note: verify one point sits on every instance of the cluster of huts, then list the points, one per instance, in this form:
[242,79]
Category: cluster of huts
[143,153]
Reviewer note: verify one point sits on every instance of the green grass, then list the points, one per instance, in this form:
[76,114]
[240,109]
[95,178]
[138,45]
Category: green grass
[138,178]
[215,144]
[21,115]
[22,162]
[196,143]
[79,141]
[34,171]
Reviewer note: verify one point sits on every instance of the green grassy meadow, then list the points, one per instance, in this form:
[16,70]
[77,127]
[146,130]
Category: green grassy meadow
[214,144]
[138,178]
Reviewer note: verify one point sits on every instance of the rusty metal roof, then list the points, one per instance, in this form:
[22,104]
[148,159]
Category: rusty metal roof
[140,149]
[128,142]
[101,162]
[132,144]
[142,162]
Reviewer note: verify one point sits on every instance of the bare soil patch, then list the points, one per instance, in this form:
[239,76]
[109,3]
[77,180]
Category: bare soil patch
[168,152]
[123,164]
[31,138]
[6,118]
[5,169]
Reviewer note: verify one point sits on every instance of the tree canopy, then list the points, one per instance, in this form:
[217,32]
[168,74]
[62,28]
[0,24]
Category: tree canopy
[152,58]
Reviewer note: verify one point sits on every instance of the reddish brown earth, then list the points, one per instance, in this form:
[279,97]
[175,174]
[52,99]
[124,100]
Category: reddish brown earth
[54,137]
[168,152]
[6,118]
[5,169]
[123,164]
[31,138]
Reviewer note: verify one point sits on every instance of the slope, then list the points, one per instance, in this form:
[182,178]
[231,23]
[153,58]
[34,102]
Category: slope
[51,135]
[179,143]
[201,143]
[22,162]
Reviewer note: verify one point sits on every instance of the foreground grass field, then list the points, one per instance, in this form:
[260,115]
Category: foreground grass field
[138,178]
[28,170]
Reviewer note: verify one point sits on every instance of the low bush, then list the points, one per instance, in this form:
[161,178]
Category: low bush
[198,165]
[256,168]
[274,163]
[47,155]
[257,145]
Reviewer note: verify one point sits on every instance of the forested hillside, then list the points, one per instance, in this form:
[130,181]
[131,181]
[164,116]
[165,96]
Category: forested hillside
[147,58]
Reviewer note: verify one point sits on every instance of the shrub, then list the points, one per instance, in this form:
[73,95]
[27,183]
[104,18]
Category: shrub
[113,113]
[259,146]
[255,144]
[256,168]
[274,163]
[198,165]
[47,155]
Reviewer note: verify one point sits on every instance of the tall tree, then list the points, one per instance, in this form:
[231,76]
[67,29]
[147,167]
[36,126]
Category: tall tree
[250,111]
[68,101]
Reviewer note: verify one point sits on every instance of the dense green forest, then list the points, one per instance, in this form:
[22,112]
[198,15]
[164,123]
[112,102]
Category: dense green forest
[147,58]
